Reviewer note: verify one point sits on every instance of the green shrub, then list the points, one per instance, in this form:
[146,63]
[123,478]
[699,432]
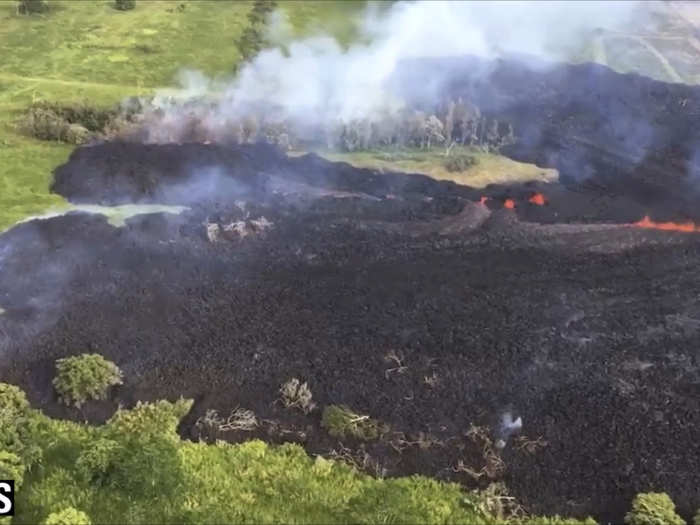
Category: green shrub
[696,519]
[84,377]
[68,516]
[12,400]
[28,7]
[18,425]
[653,508]
[342,422]
[159,419]
[459,163]
[124,5]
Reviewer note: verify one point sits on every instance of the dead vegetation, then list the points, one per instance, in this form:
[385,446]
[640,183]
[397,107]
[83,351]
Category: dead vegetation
[236,230]
[295,394]
[240,419]
[493,466]
[393,357]
[400,441]
[358,458]
[530,446]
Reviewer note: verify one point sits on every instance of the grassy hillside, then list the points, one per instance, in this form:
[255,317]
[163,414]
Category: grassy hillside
[90,51]
[87,50]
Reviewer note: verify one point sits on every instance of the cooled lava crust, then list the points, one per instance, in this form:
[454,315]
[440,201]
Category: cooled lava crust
[589,332]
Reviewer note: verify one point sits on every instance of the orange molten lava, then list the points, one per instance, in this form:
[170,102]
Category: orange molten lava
[687,227]
[509,203]
[483,199]
[538,199]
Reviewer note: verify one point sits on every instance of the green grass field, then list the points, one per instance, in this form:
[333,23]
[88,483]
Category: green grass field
[490,168]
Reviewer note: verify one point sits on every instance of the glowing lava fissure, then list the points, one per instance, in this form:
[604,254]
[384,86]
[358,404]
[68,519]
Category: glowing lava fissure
[687,227]
[538,199]
[509,203]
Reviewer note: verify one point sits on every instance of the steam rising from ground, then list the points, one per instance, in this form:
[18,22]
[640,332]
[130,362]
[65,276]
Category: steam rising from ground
[314,80]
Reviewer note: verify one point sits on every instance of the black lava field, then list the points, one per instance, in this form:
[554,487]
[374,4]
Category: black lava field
[405,298]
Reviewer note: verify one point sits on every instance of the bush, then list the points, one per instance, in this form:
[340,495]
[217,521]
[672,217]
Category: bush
[12,400]
[459,163]
[73,123]
[85,377]
[342,422]
[696,520]
[653,508]
[11,467]
[159,419]
[68,516]
[18,425]
[124,5]
[28,7]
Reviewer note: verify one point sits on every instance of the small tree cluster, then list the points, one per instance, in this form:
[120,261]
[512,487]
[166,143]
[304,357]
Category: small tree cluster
[124,5]
[28,7]
[198,121]
[85,377]
[653,508]
[72,123]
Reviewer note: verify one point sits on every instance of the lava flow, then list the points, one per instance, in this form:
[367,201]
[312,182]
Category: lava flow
[538,199]
[509,203]
[687,227]
[483,200]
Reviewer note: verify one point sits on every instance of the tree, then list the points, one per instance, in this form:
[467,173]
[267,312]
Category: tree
[18,425]
[449,121]
[84,377]
[433,131]
[653,508]
[124,5]
[28,7]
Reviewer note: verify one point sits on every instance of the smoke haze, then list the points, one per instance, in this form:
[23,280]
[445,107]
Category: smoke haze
[315,79]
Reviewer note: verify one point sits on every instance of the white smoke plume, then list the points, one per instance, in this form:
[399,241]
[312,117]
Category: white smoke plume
[316,80]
